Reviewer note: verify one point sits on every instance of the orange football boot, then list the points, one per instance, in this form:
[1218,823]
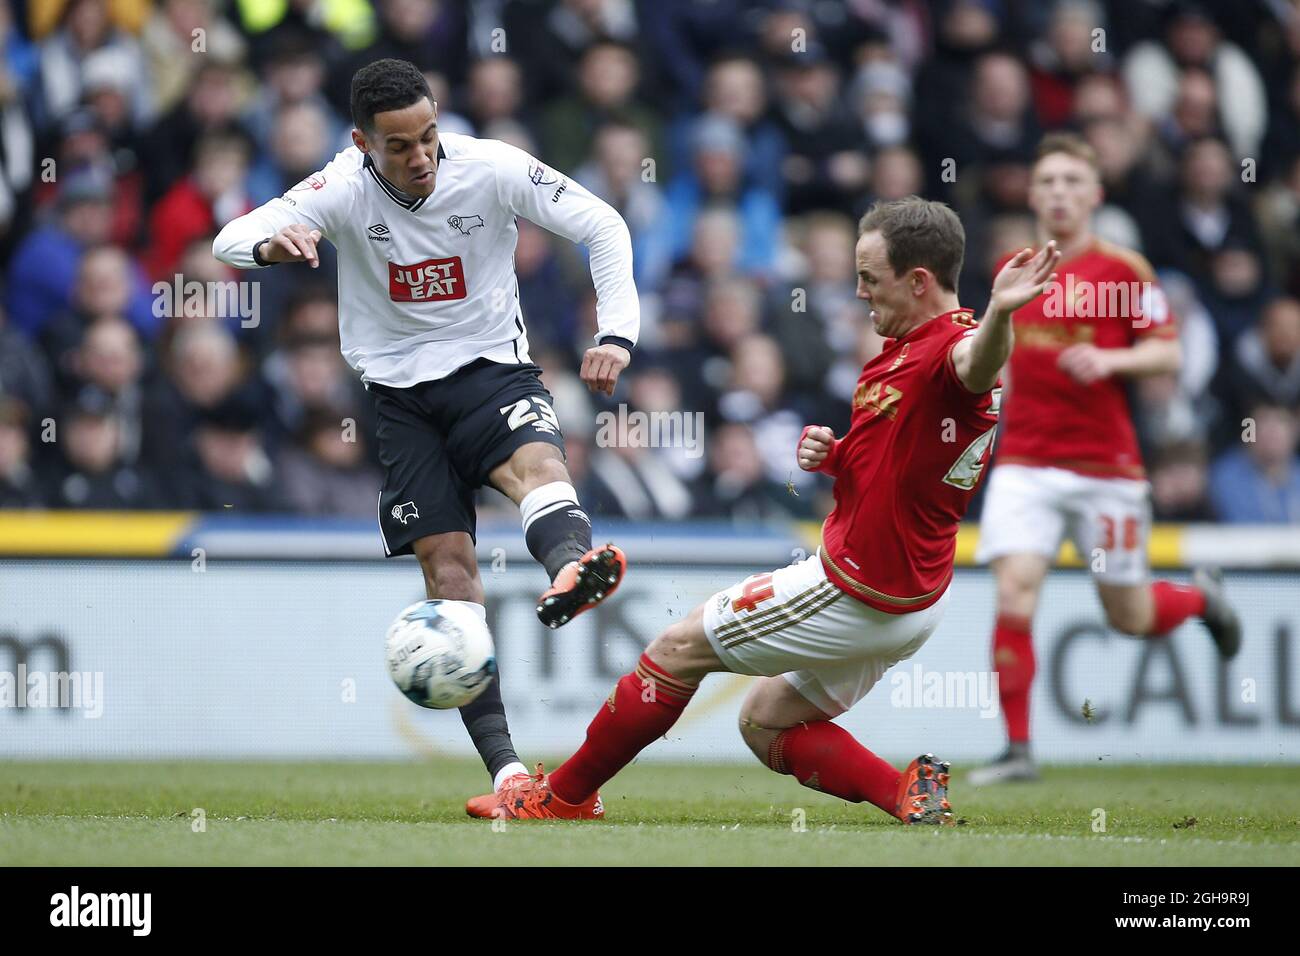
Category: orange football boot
[484,805]
[923,793]
[581,585]
[534,800]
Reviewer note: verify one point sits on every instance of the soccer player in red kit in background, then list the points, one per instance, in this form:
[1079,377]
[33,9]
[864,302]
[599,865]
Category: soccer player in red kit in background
[821,633]
[1067,459]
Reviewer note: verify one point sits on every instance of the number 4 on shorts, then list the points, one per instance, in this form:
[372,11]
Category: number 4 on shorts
[755,591]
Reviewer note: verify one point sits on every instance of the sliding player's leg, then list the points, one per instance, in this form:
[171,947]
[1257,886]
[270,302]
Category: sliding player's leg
[791,619]
[643,705]
[558,533]
[1021,528]
[790,734]
[829,651]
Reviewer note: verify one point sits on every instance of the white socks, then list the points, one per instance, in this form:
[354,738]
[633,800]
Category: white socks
[509,770]
[545,499]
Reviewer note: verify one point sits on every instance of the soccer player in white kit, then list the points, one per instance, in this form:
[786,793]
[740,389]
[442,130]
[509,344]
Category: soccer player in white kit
[429,316]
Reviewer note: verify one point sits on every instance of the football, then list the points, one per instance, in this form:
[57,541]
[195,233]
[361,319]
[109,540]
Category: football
[440,654]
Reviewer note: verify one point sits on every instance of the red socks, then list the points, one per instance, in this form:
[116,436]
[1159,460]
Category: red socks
[824,756]
[643,705]
[1013,660]
[1174,603]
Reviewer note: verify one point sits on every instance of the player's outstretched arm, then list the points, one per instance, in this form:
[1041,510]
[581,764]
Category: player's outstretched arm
[289,228]
[978,358]
[252,241]
[294,243]
[270,234]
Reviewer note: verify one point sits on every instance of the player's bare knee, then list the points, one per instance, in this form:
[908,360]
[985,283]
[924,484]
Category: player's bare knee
[769,709]
[1014,591]
[757,738]
[543,471]
[684,651]
[673,645]
[1130,609]
[450,574]
[1129,620]
[1017,591]
[454,581]
[529,468]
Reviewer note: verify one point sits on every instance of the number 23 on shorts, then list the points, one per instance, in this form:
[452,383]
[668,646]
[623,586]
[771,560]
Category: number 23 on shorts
[754,591]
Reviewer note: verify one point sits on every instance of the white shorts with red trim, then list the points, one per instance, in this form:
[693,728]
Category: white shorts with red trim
[831,647]
[1029,510]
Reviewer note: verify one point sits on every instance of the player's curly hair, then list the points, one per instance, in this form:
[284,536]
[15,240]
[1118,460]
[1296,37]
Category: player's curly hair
[919,232]
[385,85]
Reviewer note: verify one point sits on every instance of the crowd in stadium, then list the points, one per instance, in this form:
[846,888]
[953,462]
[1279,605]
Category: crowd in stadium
[740,141]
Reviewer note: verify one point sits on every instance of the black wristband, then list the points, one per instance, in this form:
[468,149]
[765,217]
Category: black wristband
[258,245]
[617,340]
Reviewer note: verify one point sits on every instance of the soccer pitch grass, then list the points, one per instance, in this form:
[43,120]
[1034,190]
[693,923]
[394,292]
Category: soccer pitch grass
[104,814]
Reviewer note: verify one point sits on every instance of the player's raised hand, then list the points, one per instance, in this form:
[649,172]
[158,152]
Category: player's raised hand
[602,365]
[815,446]
[1024,277]
[1085,363]
[294,243]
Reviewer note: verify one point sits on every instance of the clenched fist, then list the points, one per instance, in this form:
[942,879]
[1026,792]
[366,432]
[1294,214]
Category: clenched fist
[815,446]
[1085,363]
[294,243]
[601,365]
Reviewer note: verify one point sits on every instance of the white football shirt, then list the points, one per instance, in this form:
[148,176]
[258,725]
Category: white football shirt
[427,284]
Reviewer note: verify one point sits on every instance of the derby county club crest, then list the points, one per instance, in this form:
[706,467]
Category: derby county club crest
[463,224]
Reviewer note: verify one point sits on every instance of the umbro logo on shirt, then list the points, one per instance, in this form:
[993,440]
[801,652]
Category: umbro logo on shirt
[378,233]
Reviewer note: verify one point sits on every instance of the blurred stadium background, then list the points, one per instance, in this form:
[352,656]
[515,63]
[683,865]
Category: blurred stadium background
[190,499]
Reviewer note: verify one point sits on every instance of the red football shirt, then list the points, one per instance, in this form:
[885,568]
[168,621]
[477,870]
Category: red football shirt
[904,473]
[1106,296]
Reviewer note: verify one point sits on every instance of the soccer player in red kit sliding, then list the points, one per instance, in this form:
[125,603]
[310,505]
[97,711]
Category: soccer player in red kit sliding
[820,633]
[1067,460]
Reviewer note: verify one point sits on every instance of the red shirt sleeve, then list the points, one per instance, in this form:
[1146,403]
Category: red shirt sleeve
[950,368]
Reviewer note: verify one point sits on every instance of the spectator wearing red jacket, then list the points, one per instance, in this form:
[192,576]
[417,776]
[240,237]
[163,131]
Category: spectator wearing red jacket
[214,193]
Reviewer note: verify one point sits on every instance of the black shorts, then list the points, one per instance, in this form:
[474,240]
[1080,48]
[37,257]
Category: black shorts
[439,441]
